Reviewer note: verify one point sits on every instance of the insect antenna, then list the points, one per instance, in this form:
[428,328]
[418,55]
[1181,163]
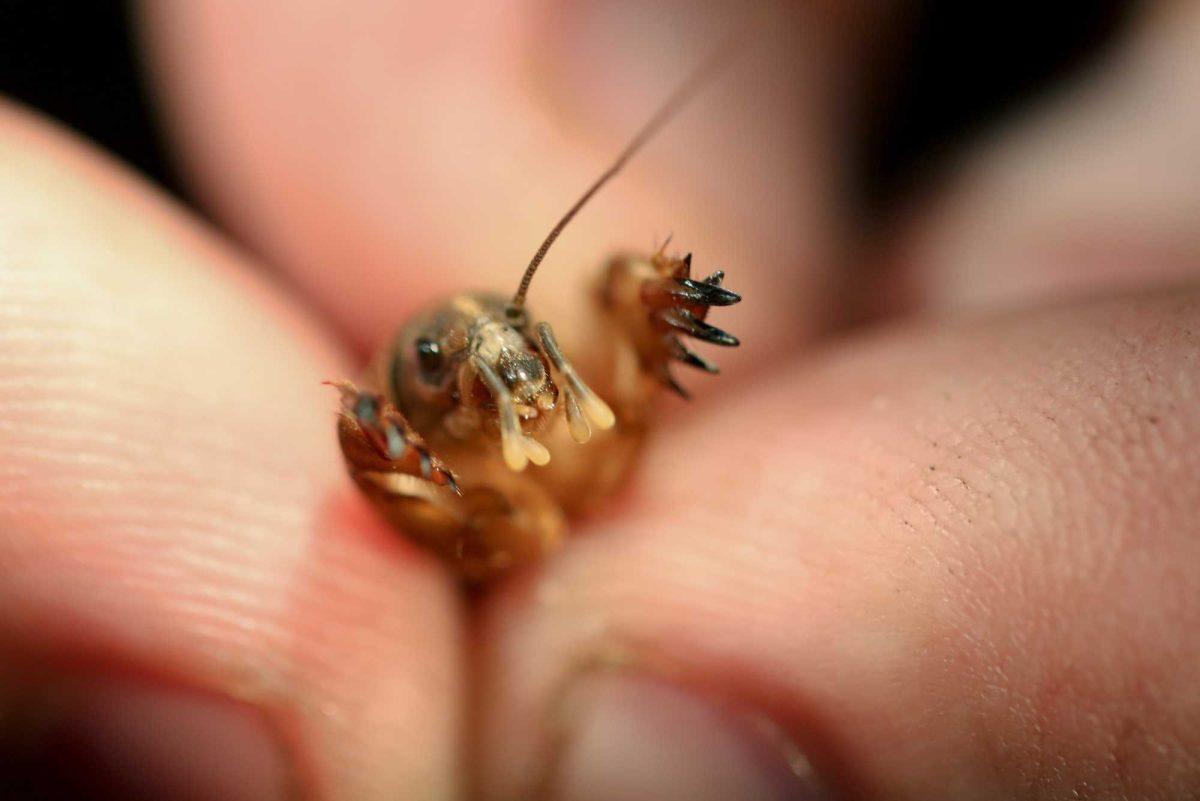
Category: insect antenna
[665,113]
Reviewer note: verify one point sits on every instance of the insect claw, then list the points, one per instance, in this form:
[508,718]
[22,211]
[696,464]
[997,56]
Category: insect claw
[387,432]
[688,323]
[681,353]
[710,294]
[687,262]
[716,278]
[436,469]
[669,381]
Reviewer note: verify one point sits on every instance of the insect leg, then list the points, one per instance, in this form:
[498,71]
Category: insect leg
[518,449]
[583,405]
[658,301]
[376,438]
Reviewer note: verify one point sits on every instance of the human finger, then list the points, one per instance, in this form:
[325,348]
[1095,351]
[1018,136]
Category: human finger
[952,561]
[193,601]
[1094,191]
[385,154]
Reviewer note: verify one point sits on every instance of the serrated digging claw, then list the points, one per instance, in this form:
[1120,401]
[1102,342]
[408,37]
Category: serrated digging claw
[680,352]
[683,320]
[709,294]
[670,383]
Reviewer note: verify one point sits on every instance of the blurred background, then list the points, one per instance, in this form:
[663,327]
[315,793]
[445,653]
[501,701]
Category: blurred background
[959,68]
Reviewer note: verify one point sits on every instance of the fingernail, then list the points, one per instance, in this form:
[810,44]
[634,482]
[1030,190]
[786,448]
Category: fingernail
[115,739]
[636,738]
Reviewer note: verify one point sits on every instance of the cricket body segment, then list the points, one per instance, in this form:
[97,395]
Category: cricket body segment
[463,400]
[471,391]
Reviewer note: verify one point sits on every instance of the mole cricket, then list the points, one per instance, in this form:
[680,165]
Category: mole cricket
[473,389]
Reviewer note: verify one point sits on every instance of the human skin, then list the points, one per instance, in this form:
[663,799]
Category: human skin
[956,558]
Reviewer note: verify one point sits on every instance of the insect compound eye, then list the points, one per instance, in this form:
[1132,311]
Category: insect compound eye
[429,356]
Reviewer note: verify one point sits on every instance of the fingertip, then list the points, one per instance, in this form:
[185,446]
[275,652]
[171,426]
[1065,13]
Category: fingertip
[918,570]
[173,501]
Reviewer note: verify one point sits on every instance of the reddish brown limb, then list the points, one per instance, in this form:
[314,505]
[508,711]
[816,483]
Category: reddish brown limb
[376,438]
[479,530]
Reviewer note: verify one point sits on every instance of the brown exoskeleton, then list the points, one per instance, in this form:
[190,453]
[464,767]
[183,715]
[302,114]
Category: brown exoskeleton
[472,390]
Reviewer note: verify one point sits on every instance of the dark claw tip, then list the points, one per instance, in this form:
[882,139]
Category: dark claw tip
[710,333]
[681,353]
[670,382]
[709,294]
[685,321]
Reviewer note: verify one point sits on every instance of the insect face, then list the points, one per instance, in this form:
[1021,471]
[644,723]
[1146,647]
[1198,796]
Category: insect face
[517,363]
[468,368]
[517,379]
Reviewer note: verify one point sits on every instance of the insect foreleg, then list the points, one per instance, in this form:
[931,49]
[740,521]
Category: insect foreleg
[656,301]
[375,438]
[584,406]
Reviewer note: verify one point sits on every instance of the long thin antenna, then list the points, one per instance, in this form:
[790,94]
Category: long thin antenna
[666,111]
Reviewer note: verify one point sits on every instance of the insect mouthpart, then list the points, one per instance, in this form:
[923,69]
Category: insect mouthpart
[527,379]
[516,372]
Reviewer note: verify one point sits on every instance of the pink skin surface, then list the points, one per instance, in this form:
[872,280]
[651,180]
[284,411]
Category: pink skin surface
[951,556]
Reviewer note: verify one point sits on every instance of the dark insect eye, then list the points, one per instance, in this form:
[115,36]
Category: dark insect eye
[429,355]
